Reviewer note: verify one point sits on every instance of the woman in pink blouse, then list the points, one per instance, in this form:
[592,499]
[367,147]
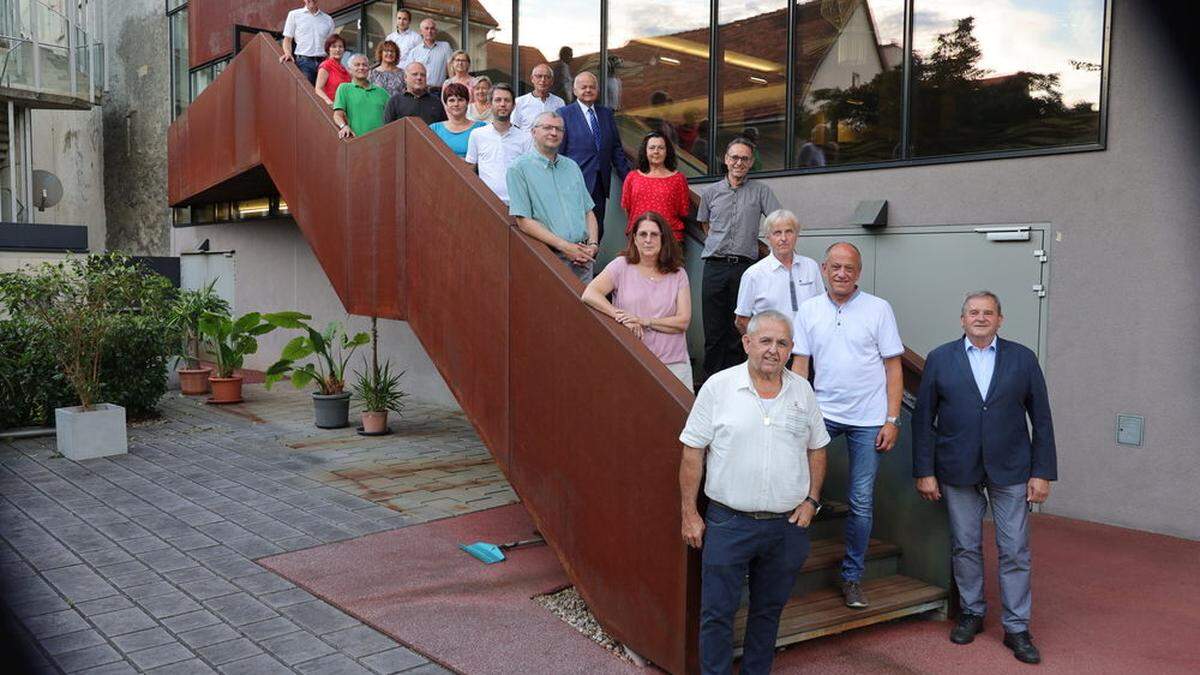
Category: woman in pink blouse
[650,293]
[656,185]
[331,72]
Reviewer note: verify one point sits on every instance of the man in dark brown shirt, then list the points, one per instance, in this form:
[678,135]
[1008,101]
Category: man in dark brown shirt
[416,100]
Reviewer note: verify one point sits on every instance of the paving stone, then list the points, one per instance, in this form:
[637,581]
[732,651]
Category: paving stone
[190,621]
[358,641]
[105,556]
[429,669]
[224,531]
[143,639]
[103,605]
[253,546]
[123,621]
[122,568]
[166,560]
[61,644]
[79,583]
[149,590]
[143,544]
[394,661]
[191,541]
[263,630]
[201,517]
[208,588]
[189,667]
[209,635]
[35,608]
[116,668]
[264,582]
[287,597]
[318,617]
[240,609]
[256,665]
[168,604]
[233,568]
[189,574]
[232,650]
[122,530]
[296,648]
[160,656]
[86,658]
[55,623]
[334,664]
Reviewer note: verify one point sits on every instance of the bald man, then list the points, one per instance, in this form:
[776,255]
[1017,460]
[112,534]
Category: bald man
[593,142]
[416,99]
[538,101]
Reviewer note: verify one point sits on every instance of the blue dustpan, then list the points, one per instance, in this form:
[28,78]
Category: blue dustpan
[491,553]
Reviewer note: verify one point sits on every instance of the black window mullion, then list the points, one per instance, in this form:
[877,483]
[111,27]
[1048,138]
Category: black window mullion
[714,19]
[789,116]
[906,85]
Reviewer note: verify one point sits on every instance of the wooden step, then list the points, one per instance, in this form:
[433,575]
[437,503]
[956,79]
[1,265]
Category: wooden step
[823,613]
[826,553]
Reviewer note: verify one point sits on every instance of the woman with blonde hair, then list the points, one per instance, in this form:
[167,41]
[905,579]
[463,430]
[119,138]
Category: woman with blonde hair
[458,69]
[480,108]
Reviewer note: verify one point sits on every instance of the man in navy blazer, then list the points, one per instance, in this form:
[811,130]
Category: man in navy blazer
[970,437]
[593,142]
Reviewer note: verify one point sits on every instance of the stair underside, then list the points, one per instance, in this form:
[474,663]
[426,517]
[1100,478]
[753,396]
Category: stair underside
[823,613]
[827,553]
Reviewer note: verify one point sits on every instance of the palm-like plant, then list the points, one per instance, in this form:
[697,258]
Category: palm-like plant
[231,341]
[189,307]
[332,347]
[379,390]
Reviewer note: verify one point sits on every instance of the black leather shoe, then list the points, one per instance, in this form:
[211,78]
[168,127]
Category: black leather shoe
[969,625]
[1022,646]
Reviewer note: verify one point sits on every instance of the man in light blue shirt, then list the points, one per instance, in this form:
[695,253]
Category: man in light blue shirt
[983,363]
[550,200]
[435,54]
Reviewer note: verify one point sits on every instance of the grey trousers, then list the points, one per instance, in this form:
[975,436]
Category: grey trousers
[967,505]
[581,272]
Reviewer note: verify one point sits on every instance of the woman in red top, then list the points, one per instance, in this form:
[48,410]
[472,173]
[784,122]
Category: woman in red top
[656,185]
[331,72]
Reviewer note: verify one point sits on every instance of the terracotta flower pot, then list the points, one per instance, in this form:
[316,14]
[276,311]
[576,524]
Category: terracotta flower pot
[226,389]
[193,381]
[374,422]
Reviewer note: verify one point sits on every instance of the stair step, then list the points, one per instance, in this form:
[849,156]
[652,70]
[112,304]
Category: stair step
[826,553]
[823,613]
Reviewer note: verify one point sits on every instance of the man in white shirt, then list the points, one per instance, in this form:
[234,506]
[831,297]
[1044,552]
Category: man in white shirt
[782,280]
[538,101]
[404,37]
[434,53]
[854,345]
[763,473]
[304,34]
[494,148]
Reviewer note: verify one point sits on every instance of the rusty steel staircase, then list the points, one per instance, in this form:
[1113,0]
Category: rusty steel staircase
[580,416]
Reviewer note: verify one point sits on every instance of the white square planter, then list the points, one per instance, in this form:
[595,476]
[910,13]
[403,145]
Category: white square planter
[98,432]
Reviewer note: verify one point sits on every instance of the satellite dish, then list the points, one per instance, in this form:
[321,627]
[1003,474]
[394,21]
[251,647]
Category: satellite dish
[47,189]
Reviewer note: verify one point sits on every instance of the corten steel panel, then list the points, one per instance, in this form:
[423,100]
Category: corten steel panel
[275,124]
[320,207]
[246,99]
[211,22]
[458,282]
[595,455]
[371,222]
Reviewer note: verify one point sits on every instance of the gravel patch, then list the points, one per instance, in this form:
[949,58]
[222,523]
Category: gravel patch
[568,606]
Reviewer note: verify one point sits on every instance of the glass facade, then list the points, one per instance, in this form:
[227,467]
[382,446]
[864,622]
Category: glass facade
[180,96]
[818,84]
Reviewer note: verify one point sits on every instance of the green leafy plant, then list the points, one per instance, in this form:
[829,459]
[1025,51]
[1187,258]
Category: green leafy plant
[232,341]
[186,311]
[332,348]
[379,390]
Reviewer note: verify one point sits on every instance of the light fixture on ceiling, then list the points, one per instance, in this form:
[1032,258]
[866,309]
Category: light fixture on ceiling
[757,80]
[668,60]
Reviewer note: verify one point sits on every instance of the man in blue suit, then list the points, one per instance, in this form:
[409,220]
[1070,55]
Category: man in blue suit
[971,444]
[593,142]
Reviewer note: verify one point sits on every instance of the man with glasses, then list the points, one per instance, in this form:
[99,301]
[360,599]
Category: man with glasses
[304,33]
[592,140]
[782,280]
[404,37]
[538,101]
[730,212]
[550,200]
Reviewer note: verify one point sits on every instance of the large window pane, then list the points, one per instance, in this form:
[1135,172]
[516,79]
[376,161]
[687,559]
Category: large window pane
[490,39]
[659,74]
[378,21]
[752,79]
[848,71]
[179,62]
[563,33]
[1005,75]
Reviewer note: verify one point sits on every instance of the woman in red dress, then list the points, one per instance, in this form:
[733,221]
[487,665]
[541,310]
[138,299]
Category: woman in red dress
[331,72]
[656,185]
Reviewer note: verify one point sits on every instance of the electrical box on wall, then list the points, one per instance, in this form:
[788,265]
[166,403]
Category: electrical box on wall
[1130,429]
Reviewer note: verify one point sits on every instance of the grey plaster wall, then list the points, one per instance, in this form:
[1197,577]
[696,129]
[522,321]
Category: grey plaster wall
[276,270]
[1124,312]
[136,117]
[69,144]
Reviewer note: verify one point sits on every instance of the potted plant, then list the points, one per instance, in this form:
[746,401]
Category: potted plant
[78,305]
[332,348]
[230,342]
[379,391]
[187,309]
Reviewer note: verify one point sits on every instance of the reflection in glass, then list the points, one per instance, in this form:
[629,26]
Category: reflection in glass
[378,21]
[563,33]
[179,61]
[490,39]
[751,86]
[993,76]
[658,75]
[848,73]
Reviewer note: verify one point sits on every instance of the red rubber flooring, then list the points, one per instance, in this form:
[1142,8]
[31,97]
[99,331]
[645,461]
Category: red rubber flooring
[1106,600]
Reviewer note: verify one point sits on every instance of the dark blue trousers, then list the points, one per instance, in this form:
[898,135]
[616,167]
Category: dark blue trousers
[309,65]
[771,553]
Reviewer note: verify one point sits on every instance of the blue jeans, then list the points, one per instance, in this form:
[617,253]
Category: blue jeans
[309,65]
[772,553]
[864,463]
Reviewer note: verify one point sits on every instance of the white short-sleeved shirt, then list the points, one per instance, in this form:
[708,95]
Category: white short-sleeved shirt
[757,448]
[405,41]
[527,107]
[848,344]
[765,286]
[308,31]
[494,152]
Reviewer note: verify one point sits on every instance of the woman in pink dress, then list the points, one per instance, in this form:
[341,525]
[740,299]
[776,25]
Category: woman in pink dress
[656,185]
[650,293]
[331,72]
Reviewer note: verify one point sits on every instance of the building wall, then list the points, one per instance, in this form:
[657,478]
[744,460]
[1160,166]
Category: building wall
[69,144]
[136,116]
[1124,313]
[276,270]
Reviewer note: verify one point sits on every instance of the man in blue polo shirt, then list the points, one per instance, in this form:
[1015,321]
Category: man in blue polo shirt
[550,200]
[851,338]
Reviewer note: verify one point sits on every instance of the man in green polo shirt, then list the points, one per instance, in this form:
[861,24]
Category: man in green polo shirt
[358,105]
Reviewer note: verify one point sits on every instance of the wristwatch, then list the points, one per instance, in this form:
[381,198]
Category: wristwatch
[815,503]
[895,421]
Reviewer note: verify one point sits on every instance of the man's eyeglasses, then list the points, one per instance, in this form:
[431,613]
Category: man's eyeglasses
[551,127]
[739,159]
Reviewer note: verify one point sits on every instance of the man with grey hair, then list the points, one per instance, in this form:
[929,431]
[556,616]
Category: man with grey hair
[980,396]
[547,195]
[763,471]
[431,52]
[358,104]
[592,140]
[538,101]
[730,212]
[782,280]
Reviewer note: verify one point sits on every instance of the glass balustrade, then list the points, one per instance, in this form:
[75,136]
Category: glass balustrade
[46,49]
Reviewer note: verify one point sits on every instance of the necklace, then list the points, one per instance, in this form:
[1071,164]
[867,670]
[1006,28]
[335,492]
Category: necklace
[764,408]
